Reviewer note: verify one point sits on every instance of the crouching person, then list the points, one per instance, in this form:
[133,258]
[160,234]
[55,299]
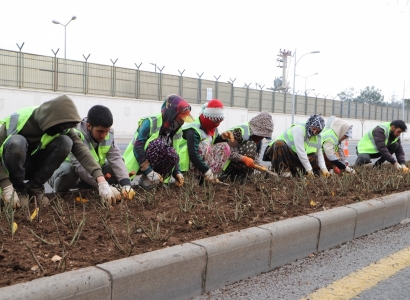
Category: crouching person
[246,147]
[298,150]
[203,150]
[34,142]
[153,150]
[338,130]
[96,133]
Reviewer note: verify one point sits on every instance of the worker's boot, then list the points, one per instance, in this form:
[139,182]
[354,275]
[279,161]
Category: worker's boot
[36,189]
[21,191]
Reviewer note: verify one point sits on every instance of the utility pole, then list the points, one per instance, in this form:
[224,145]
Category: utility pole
[282,62]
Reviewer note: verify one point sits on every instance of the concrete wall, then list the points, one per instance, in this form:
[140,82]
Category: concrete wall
[128,111]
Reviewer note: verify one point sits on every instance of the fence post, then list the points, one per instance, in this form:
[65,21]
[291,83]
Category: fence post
[113,77]
[324,105]
[216,86]
[306,102]
[160,83]
[19,66]
[231,81]
[296,102]
[247,94]
[137,81]
[273,99]
[260,97]
[316,103]
[55,71]
[181,82]
[284,102]
[85,76]
[199,88]
[341,109]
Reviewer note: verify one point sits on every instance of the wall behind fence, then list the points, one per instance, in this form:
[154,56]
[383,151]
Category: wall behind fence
[128,111]
[30,71]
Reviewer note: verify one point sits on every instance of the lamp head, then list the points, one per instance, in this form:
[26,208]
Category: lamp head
[73,18]
[55,22]
[313,52]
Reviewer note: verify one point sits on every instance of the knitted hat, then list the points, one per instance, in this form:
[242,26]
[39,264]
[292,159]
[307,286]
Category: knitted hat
[213,110]
[262,125]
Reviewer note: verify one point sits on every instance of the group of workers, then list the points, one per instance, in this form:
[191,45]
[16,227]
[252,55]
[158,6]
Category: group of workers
[51,143]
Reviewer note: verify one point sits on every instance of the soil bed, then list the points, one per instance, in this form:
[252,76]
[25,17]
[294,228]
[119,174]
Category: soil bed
[87,234]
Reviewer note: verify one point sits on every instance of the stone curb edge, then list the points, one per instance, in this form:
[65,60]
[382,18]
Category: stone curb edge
[191,269]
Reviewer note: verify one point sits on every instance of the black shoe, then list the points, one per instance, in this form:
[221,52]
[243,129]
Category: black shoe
[35,189]
[21,191]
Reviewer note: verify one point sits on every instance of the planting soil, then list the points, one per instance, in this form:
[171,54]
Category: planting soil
[75,230]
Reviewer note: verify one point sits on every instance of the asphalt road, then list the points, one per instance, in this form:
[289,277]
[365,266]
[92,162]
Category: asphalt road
[301,278]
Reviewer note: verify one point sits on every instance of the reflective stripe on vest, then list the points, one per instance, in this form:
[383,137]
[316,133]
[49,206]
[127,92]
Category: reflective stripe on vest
[155,124]
[310,146]
[367,143]
[16,121]
[103,147]
[329,134]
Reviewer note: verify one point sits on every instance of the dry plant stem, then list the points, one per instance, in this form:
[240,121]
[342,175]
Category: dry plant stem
[111,234]
[69,217]
[58,215]
[35,207]
[43,240]
[35,258]
[2,230]
[77,234]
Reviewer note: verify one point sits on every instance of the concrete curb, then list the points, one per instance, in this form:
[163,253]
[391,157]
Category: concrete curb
[188,270]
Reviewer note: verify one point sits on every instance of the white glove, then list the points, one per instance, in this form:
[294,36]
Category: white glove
[116,193]
[350,170]
[179,180]
[210,176]
[10,194]
[154,177]
[325,173]
[398,166]
[127,192]
[106,193]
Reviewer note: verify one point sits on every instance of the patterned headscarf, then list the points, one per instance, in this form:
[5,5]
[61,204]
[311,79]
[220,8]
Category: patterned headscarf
[171,108]
[316,121]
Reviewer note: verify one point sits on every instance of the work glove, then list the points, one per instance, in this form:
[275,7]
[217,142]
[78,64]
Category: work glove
[398,166]
[127,192]
[116,193]
[228,135]
[404,169]
[248,162]
[310,174]
[325,173]
[10,194]
[350,170]
[210,176]
[154,177]
[179,179]
[106,194]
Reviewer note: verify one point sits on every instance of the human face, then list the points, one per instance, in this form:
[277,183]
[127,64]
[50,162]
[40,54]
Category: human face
[315,130]
[396,131]
[256,138]
[98,133]
[344,137]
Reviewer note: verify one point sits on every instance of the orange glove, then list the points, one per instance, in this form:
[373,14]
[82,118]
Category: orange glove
[249,162]
[179,180]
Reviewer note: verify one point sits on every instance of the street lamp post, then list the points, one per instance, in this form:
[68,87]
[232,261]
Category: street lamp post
[306,77]
[65,33]
[294,78]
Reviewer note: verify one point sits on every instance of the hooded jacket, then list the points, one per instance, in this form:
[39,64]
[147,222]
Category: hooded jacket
[57,111]
[339,127]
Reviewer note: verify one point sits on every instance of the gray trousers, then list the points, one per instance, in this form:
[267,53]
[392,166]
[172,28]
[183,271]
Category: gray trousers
[65,178]
[365,158]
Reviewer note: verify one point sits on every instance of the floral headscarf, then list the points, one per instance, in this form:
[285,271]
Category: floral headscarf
[316,121]
[173,106]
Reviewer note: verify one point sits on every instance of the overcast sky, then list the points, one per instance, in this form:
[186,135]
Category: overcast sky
[361,42]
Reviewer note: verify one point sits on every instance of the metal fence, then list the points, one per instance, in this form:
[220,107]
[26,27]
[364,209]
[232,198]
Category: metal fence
[24,70]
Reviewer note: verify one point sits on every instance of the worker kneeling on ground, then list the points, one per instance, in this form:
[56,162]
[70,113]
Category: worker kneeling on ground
[153,150]
[383,141]
[336,131]
[34,142]
[298,150]
[96,133]
[204,151]
[246,147]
